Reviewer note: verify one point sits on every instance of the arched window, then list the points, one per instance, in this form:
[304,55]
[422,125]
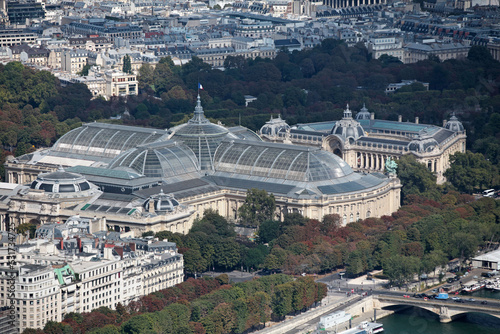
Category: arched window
[368,214]
[351,218]
[344,220]
[357,216]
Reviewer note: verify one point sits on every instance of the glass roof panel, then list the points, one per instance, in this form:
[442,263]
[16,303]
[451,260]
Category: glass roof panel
[160,159]
[279,161]
[104,140]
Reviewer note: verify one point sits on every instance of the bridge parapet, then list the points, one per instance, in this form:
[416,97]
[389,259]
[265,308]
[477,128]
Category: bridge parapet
[446,310]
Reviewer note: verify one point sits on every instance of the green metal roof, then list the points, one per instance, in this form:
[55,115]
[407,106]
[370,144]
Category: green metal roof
[396,126]
[64,271]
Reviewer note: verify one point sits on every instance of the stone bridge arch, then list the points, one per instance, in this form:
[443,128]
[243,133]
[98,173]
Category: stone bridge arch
[446,311]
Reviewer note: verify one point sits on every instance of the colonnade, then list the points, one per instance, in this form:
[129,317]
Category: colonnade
[373,161]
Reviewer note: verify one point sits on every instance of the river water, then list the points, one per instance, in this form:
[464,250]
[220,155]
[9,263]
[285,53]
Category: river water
[416,321]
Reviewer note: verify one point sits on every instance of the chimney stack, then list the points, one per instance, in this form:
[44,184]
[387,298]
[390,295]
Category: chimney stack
[416,119]
[372,115]
[400,118]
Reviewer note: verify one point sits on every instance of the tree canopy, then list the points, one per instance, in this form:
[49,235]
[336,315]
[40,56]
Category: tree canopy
[259,206]
[470,172]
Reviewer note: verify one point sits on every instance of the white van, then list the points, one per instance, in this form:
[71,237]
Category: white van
[489,193]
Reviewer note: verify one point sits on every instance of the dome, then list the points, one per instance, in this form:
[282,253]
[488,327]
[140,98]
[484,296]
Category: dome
[162,203]
[274,126]
[454,124]
[422,145]
[201,136]
[279,161]
[347,127]
[363,114]
[61,181]
[162,159]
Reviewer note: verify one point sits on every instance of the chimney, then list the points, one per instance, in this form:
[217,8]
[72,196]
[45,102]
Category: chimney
[62,244]
[108,253]
[96,242]
[416,119]
[372,115]
[400,118]
[132,246]
[444,122]
[151,205]
[79,242]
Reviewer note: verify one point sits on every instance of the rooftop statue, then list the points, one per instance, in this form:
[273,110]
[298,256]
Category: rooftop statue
[391,166]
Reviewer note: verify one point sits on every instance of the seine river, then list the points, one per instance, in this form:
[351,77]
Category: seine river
[415,321]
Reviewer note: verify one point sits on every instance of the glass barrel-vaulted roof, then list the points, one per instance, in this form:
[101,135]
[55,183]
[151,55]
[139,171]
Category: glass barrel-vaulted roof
[161,159]
[104,141]
[201,136]
[279,161]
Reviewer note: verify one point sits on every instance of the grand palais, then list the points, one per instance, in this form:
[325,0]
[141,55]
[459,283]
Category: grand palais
[140,179]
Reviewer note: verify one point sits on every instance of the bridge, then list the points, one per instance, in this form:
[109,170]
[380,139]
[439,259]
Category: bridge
[445,309]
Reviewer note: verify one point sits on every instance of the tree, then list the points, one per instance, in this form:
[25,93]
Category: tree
[194,262]
[388,60]
[259,206]
[463,245]
[52,327]
[330,223]
[25,227]
[282,300]
[471,171]
[415,177]
[139,324]
[401,269]
[480,54]
[355,263]
[254,257]
[85,70]
[108,329]
[269,230]
[227,254]
[127,64]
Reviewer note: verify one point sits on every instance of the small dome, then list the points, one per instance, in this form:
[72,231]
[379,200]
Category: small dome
[274,126]
[454,124]
[348,127]
[162,203]
[422,145]
[161,159]
[61,181]
[363,114]
[201,136]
